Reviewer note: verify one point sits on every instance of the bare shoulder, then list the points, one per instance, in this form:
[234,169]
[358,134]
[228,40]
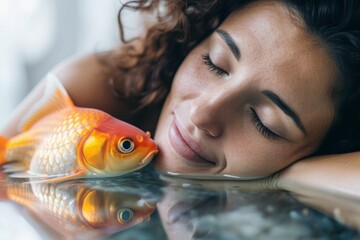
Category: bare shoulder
[79,68]
[86,80]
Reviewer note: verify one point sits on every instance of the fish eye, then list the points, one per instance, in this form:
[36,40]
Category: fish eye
[125,215]
[126,145]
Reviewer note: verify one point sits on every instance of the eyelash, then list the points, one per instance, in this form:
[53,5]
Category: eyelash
[261,127]
[254,117]
[212,67]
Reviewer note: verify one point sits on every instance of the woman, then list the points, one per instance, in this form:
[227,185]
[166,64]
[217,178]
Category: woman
[255,87]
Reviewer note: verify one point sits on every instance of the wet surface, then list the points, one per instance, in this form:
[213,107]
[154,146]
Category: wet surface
[144,205]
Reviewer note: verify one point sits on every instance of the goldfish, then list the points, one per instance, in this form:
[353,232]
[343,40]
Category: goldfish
[81,209]
[60,141]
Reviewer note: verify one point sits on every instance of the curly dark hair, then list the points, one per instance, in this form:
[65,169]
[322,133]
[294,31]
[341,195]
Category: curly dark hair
[144,76]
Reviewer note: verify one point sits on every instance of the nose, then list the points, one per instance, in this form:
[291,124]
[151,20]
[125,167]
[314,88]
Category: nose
[211,110]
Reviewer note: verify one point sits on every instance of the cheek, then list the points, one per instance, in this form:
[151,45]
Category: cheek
[191,76]
[255,157]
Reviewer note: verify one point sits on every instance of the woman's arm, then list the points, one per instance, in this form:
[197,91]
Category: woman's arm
[336,174]
[86,81]
[329,184]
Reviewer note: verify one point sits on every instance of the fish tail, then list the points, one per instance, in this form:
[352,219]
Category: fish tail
[3,142]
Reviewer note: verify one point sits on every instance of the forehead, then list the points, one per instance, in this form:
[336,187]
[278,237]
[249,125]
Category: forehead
[291,61]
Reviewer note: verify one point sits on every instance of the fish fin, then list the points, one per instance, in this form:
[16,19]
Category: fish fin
[3,142]
[78,174]
[54,99]
[31,178]
[46,178]
[13,167]
[20,175]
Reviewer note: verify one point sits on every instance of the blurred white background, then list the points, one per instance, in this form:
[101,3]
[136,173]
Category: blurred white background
[35,35]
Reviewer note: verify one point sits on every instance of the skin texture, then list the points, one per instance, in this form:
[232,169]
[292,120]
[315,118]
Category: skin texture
[214,112]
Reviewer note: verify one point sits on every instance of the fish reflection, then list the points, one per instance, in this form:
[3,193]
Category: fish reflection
[85,209]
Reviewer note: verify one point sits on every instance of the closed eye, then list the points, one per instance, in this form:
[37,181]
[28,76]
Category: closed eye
[212,67]
[261,127]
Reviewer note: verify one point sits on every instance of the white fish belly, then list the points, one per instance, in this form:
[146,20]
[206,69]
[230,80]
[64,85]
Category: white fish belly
[60,201]
[56,155]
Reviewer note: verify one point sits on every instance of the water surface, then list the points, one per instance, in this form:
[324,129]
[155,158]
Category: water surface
[145,205]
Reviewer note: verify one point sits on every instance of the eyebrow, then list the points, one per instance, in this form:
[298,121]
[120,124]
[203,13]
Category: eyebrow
[230,43]
[286,109]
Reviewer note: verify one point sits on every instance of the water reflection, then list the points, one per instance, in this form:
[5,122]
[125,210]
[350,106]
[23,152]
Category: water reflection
[82,209]
[143,206]
[229,210]
[342,206]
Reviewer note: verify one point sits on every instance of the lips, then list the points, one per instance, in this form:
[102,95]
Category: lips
[185,147]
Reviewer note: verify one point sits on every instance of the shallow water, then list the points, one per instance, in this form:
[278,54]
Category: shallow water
[144,205]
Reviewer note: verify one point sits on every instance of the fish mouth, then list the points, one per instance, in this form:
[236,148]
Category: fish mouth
[149,157]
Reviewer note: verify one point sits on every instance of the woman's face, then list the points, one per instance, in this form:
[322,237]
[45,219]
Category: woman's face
[251,99]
